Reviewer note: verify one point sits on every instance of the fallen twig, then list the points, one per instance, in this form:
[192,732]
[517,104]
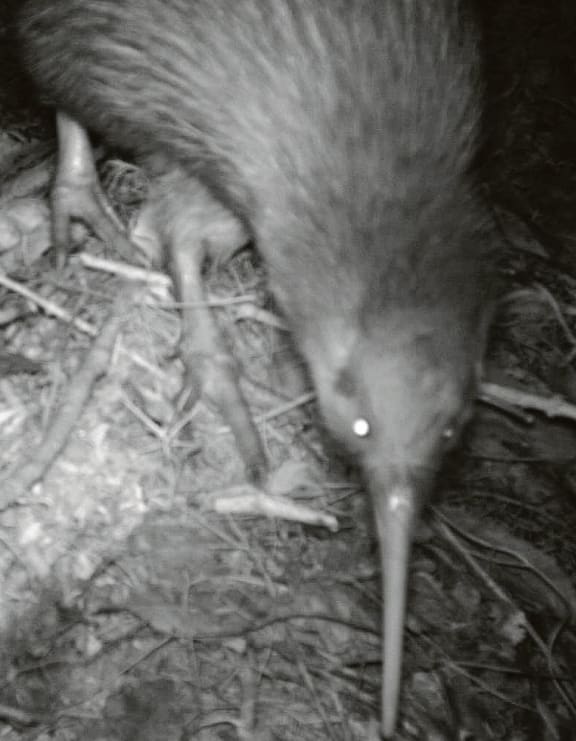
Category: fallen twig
[39,460]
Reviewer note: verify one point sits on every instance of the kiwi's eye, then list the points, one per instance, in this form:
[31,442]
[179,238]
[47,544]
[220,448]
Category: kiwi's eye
[449,436]
[361,427]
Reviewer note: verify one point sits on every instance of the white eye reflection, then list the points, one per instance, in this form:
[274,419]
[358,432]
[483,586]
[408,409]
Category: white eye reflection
[361,427]
[448,433]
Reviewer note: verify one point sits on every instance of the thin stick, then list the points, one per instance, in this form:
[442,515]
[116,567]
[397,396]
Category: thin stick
[39,460]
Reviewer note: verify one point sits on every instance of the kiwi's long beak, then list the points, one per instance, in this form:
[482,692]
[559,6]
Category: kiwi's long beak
[396,510]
